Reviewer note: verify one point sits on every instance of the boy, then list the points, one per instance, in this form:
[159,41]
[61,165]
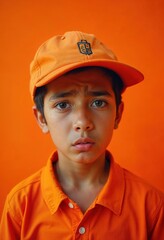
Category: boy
[76,84]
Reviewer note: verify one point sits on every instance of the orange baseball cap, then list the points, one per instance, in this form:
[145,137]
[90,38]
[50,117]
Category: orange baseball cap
[75,49]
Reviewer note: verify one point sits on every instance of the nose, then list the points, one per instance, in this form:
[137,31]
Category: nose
[82,121]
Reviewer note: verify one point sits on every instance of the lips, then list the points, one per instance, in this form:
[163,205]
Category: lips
[83,144]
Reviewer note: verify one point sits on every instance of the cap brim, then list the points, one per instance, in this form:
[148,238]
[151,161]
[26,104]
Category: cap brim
[129,75]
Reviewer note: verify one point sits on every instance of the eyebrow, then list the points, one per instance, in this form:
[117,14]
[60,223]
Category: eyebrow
[73,93]
[62,94]
[98,93]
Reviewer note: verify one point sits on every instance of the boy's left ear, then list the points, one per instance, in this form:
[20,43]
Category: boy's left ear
[119,115]
[40,120]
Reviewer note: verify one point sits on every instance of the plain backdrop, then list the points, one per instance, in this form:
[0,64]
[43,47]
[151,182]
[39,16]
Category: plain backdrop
[133,30]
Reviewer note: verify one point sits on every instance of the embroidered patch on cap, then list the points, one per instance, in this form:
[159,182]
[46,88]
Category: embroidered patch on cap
[84,47]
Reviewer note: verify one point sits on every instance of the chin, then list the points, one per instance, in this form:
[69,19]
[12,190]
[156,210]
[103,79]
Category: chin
[86,158]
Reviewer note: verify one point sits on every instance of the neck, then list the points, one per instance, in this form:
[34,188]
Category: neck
[80,175]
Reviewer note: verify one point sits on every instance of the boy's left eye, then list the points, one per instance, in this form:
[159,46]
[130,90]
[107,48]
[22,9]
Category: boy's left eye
[99,103]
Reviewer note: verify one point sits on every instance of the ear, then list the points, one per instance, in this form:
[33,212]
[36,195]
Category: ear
[119,115]
[40,120]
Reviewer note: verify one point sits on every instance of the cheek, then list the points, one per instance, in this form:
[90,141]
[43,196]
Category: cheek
[105,126]
[106,120]
[57,136]
[58,128]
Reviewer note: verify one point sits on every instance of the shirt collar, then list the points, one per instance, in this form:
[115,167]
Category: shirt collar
[51,190]
[111,196]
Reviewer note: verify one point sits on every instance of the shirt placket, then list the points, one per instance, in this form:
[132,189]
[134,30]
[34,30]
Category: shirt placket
[79,225]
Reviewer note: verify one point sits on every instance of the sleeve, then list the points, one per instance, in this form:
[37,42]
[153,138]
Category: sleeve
[10,225]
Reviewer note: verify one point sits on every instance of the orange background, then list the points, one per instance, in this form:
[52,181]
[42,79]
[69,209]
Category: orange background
[133,30]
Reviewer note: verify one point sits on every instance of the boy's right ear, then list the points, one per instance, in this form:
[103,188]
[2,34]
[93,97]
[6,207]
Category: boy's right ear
[40,119]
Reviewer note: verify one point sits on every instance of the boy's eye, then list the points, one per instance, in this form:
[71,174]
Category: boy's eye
[62,105]
[98,103]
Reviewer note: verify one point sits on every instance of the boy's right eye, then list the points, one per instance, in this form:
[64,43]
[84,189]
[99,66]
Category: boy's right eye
[62,106]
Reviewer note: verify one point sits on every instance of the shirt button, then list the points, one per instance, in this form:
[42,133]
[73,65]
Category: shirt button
[70,205]
[81,230]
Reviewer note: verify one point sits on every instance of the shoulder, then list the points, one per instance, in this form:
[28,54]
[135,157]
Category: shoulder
[135,187]
[138,191]
[147,197]
[140,184]
[21,197]
[27,188]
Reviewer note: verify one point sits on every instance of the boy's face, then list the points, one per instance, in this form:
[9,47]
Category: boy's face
[80,114]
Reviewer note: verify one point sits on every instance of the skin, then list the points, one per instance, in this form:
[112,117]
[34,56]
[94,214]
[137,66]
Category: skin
[80,115]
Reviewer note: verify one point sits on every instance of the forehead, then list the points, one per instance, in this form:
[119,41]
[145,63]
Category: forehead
[90,77]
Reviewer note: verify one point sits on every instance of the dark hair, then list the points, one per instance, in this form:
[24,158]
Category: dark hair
[39,98]
[117,86]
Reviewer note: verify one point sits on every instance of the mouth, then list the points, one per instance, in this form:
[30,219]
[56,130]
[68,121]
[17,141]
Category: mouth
[83,144]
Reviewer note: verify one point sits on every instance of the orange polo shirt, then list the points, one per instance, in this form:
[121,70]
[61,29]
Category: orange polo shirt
[126,209]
